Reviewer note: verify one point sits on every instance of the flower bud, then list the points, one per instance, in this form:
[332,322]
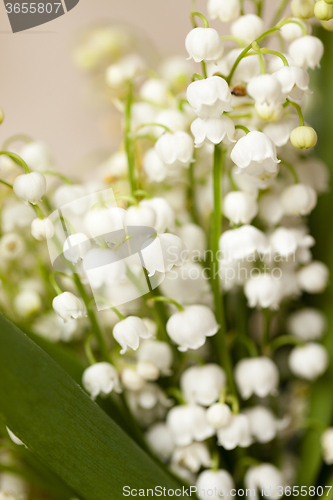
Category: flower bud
[307,324]
[303,137]
[269,111]
[30,187]
[148,370]
[132,380]
[219,415]
[247,27]
[323,11]
[327,445]
[204,44]
[303,8]
[42,229]
[101,379]
[309,361]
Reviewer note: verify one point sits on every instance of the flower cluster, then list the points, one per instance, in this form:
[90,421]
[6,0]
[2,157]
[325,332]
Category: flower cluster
[213,181]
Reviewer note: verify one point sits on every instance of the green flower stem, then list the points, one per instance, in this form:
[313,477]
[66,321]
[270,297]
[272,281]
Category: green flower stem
[177,395]
[233,400]
[17,160]
[204,69]
[249,344]
[261,37]
[17,137]
[160,298]
[159,313]
[38,211]
[292,170]
[285,340]
[92,318]
[276,53]
[141,193]
[6,184]
[55,285]
[242,127]
[220,337]
[201,16]
[259,4]
[114,309]
[234,39]
[64,178]
[128,140]
[215,461]
[236,117]
[153,124]
[88,351]
[130,199]
[196,76]
[298,109]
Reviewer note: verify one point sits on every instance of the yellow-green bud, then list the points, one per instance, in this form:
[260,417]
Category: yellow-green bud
[1,116]
[323,11]
[303,8]
[269,111]
[328,25]
[303,137]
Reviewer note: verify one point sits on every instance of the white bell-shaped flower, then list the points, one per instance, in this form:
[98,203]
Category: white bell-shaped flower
[76,247]
[128,332]
[42,229]
[164,214]
[69,193]
[176,70]
[193,456]
[202,384]
[162,253]
[264,290]
[188,423]
[30,187]
[219,415]
[187,284]
[159,439]
[307,324]
[140,216]
[102,266]
[307,51]
[124,70]
[294,81]
[68,306]
[291,31]
[194,238]
[224,10]
[148,370]
[209,481]
[270,209]
[189,328]
[279,132]
[237,433]
[264,478]
[285,241]
[264,425]
[175,147]
[158,353]
[204,44]
[327,445]
[102,222]
[265,88]
[254,154]
[101,379]
[37,155]
[174,119]
[247,27]
[243,242]
[315,173]
[257,376]
[309,361]
[210,97]
[298,199]
[313,278]
[131,379]
[142,113]
[213,130]
[155,169]
[240,207]
[156,91]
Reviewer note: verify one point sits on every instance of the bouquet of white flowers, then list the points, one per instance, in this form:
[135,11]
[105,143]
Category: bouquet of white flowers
[170,282]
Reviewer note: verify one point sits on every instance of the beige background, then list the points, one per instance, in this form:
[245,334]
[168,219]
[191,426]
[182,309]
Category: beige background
[44,95]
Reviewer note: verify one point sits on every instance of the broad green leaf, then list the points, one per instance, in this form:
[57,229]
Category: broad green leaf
[59,423]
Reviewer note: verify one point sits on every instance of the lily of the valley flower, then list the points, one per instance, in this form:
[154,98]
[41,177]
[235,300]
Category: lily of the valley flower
[294,81]
[264,290]
[42,229]
[76,247]
[247,27]
[129,331]
[193,456]
[219,415]
[220,481]
[210,97]
[255,153]
[298,199]
[307,51]
[307,324]
[189,328]
[243,242]
[240,207]
[159,438]
[264,478]
[158,353]
[264,425]
[30,187]
[213,130]
[224,10]
[258,376]
[202,384]
[162,253]
[204,44]
[327,445]
[188,423]
[237,433]
[309,361]
[68,306]
[101,379]
[175,147]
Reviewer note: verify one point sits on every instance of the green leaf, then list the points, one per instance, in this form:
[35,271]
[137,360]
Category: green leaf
[57,420]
